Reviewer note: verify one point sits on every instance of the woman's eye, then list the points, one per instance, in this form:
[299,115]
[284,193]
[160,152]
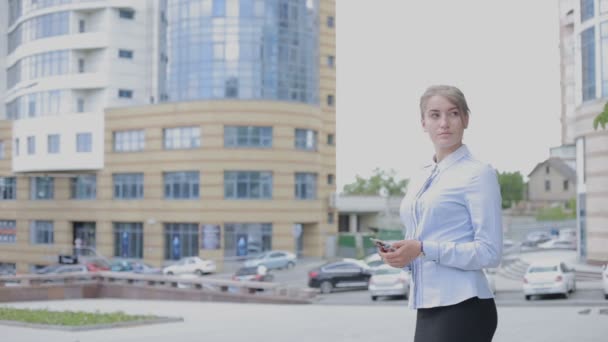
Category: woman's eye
[454,113]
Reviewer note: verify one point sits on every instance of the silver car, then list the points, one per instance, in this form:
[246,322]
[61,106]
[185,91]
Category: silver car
[389,281]
[273,260]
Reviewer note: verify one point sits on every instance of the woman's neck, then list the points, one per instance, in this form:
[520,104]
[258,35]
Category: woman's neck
[441,153]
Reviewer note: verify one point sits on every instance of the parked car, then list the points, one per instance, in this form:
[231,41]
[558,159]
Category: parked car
[558,244]
[121,266]
[194,265]
[544,278]
[605,281]
[96,267]
[47,269]
[143,268]
[64,269]
[347,273]
[255,273]
[389,281]
[534,238]
[273,260]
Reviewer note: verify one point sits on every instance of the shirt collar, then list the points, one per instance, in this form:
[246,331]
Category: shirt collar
[451,158]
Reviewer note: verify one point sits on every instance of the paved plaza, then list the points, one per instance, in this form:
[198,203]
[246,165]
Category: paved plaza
[205,321]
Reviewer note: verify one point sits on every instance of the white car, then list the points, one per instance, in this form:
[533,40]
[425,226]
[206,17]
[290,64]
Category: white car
[543,278]
[605,281]
[558,244]
[389,281]
[273,260]
[193,265]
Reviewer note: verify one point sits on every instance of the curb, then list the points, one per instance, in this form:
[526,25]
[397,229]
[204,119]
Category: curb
[93,326]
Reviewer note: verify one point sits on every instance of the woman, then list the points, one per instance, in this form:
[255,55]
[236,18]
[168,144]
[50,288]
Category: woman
[452,216]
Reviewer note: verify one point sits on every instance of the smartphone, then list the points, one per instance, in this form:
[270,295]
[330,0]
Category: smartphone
[383,245]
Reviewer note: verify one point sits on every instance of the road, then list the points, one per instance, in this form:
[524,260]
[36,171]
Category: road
[591,294]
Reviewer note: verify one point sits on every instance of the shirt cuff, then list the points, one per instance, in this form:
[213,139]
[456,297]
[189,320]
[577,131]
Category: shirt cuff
[431,251]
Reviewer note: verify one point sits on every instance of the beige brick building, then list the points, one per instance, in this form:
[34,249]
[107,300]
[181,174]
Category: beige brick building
[221,176]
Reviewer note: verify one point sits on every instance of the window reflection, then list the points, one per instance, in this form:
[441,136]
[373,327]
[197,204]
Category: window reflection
[246,49]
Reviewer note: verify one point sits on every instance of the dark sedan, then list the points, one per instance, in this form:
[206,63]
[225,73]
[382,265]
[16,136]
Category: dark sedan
[347,273]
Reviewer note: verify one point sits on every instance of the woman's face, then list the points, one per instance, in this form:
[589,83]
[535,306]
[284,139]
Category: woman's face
[444,123]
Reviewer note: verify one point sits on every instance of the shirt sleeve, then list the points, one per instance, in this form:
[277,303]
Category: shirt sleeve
[484,204]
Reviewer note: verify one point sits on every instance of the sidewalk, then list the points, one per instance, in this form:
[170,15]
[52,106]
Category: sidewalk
[225,322]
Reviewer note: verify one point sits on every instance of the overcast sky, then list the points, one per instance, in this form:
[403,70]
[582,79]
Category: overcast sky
[504,56]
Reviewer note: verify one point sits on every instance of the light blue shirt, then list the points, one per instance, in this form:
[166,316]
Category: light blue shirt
[454,208]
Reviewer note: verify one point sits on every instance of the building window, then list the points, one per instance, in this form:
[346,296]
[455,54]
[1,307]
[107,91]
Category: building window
[330,218]
[243,239]
[330,100]
[81,65]
[248,185]
[84,142]
[547,170]
[125,94]
[126,13]
[41,233]
[128,54]
[604,57]
[53,143]
[182,137]
[8,188]
[31,145]
[81,26]
[603,6]
[128,240]
[80,105]
[128,186]
[83,187]
[588,63]
[181,185]
[306,185]
[247,136]
[41,188]
[587,10]
[566,185]
[181,240]
[331,21]
[306,139]
[8,231]
[129,141]
[331,61]
[16,146]
[330,179]
[331,140]
[2,150]
[547,185]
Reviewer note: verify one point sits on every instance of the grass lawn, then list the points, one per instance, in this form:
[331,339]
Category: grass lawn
[66,318]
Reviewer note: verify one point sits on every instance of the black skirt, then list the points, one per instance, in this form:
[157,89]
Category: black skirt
[473,320]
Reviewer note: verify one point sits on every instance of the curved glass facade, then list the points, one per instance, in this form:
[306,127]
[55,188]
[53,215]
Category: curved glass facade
[38,66]
[18,8]
[243,49]
[49,25]
[44,103]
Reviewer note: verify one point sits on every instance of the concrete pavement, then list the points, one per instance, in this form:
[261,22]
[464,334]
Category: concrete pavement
[269,323]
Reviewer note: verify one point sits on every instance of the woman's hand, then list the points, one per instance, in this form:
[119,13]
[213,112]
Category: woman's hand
[405,251]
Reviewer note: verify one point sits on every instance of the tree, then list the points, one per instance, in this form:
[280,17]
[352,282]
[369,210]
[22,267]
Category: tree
[380,179]
[602,118]
[511,188]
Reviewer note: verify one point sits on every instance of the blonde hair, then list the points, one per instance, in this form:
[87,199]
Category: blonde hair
[451,93]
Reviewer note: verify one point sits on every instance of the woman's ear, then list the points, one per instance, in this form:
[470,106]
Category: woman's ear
[423,123]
